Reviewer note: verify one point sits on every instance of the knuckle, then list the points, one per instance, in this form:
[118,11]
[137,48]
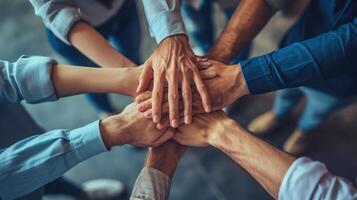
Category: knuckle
[173,96]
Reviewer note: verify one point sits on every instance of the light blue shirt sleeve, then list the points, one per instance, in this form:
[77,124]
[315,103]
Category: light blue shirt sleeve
[37,160]
[307,179]
[58,15]
[164,18]
[28,78]
[151,184]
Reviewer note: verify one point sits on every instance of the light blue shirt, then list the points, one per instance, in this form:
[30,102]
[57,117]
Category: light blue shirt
[59,16]
[307,179]
[40,159]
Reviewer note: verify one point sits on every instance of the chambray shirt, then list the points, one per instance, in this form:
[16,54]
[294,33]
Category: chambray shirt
[59,16]
[40,159]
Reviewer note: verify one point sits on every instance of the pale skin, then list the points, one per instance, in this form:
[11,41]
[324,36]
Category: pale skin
[254,155]
[93,45]
[128,127]
[173,62]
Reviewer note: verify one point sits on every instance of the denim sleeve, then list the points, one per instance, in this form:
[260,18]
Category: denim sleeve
[306,179]
[164,18]
[28,78]
[151,184]
[58,15]
[326,56]
[31,163]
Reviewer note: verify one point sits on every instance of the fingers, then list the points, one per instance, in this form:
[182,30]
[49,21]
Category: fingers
[173,97]
[203,64]
[157,95]
[164,137]
[145,78]
[143,97]
[202,90]
[205,74]
[186,95]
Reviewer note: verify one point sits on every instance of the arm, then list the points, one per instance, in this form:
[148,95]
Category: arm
[279,173]
[37,160]
[172,58]
[38,79]
[64,19]
[154,180]
[254,155]
[326,56]
[247,21]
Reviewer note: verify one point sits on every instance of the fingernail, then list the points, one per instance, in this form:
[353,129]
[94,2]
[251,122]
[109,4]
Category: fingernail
[174,123]
[208,109]
[156,118]
[188,120]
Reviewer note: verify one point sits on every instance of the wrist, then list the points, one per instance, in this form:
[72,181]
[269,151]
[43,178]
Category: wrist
[241,88]
[127,80]
[111,130]
[221,135]
[165,158]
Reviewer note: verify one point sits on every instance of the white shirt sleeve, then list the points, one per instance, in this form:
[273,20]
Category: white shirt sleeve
[164,18]
[307,179]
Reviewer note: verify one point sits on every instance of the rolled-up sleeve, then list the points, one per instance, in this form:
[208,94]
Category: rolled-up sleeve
[164,18]
[306,179]
[58,15]
[35,161]
[28,78]
[151,184]
[326,56]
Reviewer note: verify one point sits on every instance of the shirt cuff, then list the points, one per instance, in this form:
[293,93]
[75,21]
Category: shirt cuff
[33,76]
[151,184]
[88,141]
[166,24]
[301,178]
[257,75]
[63,23]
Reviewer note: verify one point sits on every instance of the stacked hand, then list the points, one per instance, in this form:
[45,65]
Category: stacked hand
[227,86]
[173,62]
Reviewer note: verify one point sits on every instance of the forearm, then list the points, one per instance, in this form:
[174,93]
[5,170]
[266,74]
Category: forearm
[323,57]
[166,157]
[247,21]
[154,180]
[264,162]
[71,80]
[88,41]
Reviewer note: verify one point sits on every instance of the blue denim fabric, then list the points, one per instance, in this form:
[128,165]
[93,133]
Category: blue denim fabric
[123,31]
[320,46]
[322,97]
[200,28]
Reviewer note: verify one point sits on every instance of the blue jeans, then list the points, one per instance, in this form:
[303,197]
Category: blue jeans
[200,28]
[317,108]
[122,30]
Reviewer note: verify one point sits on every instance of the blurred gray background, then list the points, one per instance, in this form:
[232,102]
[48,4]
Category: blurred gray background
[202,173]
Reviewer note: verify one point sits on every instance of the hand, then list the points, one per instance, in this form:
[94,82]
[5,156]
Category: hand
[131,127]
[174,61]
[204,130]
[165,157]
[227,86]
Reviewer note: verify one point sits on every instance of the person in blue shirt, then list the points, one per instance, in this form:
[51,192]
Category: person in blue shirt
[39,159]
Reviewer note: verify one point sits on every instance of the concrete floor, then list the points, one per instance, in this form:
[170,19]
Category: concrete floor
[202,173]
